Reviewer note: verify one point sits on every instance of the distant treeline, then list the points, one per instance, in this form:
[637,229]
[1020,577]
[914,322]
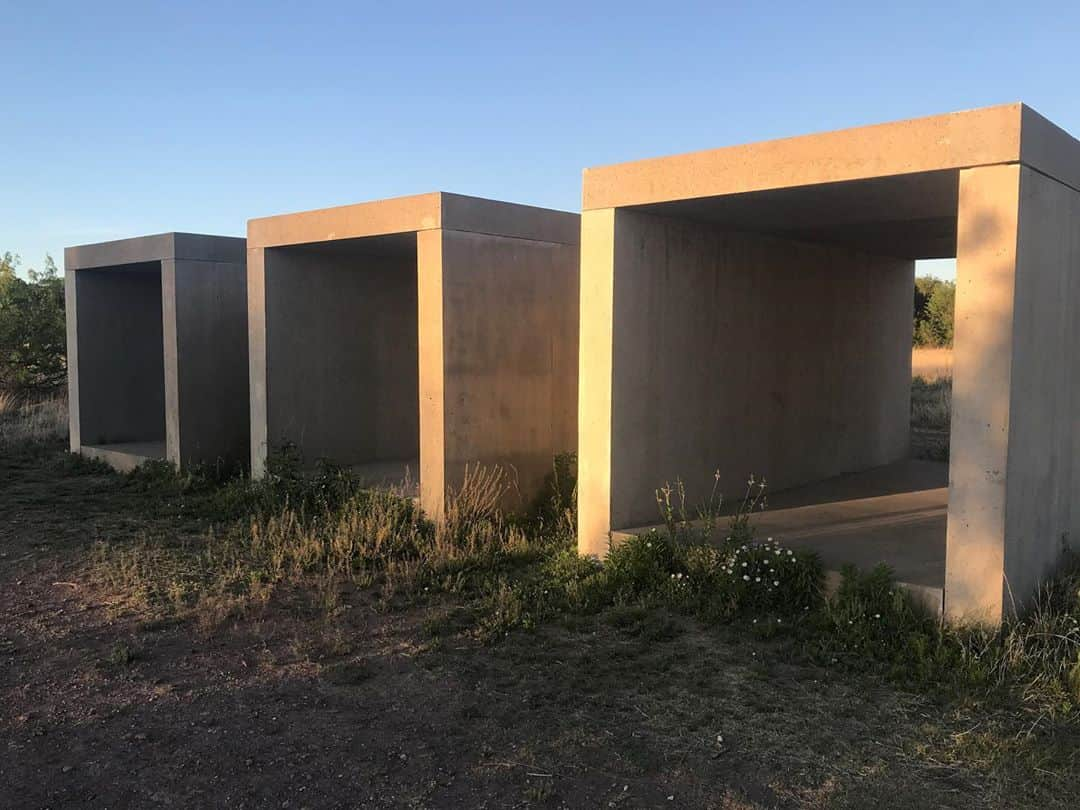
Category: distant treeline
[32,332]
[934,300]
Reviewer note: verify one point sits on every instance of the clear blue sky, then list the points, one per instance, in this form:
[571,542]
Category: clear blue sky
[121,119]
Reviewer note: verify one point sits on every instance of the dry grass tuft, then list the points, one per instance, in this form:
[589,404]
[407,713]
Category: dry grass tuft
[376,537]
[23,421]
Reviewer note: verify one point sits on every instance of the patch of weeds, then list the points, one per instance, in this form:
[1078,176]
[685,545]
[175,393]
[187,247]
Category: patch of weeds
[121,656]
[539,792]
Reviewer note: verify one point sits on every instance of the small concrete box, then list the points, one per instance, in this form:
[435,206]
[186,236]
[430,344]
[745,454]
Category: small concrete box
[751,307]
[157,349]
[417,334]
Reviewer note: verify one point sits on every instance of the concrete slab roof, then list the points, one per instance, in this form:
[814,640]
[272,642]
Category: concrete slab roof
[419,212]
[1012,133]
[155,248]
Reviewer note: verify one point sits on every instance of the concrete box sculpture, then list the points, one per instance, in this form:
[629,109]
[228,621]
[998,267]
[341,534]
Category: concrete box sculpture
[157,349]
[418,334]
[750,307]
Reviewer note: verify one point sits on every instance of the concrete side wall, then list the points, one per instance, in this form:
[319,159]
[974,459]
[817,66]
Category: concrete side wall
[119,358]
[595,358]
[429,253]
[206,351]
[510,348]
[256,325]
[752,354]
[1016,388]
[982,375]
[71,323]
[1041,507]
[341,354]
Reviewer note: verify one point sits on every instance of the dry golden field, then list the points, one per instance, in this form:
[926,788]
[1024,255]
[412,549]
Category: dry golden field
[931,364]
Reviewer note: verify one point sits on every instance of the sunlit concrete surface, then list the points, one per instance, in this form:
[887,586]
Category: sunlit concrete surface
[157,350]
[427,332]
[750,308]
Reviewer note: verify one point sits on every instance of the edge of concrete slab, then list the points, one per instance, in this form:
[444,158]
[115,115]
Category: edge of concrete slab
[985,136]
[414,213]
[125,457]
[155,248]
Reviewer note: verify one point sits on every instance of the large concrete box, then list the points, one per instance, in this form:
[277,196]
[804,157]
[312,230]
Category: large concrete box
[750,309]
[419,334]
[157,350]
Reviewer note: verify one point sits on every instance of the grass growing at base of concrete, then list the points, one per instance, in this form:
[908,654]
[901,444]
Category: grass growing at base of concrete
[318,539]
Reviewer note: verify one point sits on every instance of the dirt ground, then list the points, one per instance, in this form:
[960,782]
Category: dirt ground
[103,706]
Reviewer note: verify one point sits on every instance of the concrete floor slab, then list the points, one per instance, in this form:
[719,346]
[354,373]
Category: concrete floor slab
[894,514]
[127,456]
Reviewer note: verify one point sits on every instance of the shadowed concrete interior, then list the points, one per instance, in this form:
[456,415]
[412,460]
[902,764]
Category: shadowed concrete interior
[698,270]
[157,350]
[802,365]
[344,363]
[755,354]
[121,349]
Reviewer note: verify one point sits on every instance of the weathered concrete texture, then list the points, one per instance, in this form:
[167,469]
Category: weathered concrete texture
[157,349]
[432,332]
[749,308]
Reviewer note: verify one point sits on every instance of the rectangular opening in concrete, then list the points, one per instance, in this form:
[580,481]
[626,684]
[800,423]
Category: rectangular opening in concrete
[342,354]
[121,359]
[770,333]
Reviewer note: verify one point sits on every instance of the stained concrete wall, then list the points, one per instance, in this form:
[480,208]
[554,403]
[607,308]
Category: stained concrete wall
[1016,389]
[509,355]
[115,324]
[205,318]
[742,352]
[341,352]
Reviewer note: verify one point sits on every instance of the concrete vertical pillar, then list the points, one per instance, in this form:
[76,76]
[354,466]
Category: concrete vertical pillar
[429,269]
[171,349]
[596,349]
[1014,389]
[257,371]
[72,324]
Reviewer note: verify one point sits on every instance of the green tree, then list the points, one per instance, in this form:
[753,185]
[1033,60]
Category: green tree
[32,329]
[933,316]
